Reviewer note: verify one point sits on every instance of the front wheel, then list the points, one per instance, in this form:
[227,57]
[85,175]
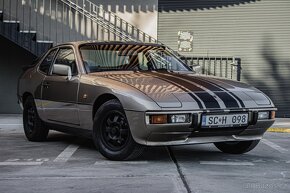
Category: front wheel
[111,133]
[238,147]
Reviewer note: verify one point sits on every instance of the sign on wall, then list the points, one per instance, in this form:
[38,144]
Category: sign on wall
[185,41]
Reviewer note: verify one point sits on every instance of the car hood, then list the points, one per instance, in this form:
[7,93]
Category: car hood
[191,91]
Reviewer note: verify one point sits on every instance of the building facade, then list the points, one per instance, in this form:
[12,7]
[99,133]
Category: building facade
[256,31]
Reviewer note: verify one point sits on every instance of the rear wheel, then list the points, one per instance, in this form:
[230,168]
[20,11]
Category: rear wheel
[112,134]
[33,127]
[237,147]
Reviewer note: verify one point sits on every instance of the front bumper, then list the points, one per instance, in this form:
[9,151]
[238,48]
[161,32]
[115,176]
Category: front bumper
[192,133]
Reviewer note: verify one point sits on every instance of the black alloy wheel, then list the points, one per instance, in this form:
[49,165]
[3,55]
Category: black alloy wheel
[112,135]
[115,134]
[33,126]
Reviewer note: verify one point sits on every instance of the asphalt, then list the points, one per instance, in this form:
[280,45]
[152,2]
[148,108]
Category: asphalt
[69,164]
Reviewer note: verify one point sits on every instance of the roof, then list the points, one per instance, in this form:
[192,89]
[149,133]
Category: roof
[79,43]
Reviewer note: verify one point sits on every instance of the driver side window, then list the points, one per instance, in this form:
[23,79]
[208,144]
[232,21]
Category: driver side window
[66,57]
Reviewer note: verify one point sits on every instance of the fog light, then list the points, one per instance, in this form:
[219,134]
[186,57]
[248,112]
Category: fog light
[181,118]
[263,115]
[158,119]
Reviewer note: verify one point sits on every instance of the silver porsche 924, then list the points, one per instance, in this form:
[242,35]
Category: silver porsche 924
[128,95]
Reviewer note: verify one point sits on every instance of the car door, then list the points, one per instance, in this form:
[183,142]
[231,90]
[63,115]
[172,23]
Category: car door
[59,92]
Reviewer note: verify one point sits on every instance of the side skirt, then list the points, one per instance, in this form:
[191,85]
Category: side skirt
[69,130]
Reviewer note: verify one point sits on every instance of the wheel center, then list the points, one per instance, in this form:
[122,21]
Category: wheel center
[114,130]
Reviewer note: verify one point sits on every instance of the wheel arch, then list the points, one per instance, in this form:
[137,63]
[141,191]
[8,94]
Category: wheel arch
[101,100]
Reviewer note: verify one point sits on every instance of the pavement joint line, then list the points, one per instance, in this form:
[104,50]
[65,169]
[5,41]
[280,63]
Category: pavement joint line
[274,146]
[180,173]
[279,130]
[65,155]
[11,163]
[226,163]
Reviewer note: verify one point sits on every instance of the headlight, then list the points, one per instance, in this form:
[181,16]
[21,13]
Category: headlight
[182,118]
[263,115]
[169,118]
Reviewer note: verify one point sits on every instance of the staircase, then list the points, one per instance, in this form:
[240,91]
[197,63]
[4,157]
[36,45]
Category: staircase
[37,25]
[10,29]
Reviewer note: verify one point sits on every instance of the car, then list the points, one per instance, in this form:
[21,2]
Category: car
[126,96]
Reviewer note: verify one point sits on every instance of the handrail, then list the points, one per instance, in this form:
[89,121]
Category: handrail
[98,14]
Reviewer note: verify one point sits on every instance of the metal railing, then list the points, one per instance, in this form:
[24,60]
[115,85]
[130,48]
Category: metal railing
[227,67]
[61,21]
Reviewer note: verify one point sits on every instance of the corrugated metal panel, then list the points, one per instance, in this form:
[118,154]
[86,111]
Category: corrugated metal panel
[256,31]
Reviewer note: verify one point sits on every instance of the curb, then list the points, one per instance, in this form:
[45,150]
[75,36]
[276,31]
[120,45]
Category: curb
[279,130]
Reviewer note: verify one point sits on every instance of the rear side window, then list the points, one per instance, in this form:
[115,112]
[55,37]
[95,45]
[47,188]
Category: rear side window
[46,63]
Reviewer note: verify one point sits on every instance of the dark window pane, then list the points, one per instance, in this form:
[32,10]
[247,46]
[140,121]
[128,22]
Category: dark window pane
[45,65]
[66,57]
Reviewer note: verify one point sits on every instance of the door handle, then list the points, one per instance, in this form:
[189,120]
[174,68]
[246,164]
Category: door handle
[45,84]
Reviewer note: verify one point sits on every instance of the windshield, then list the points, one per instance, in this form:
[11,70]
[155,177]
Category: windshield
[107,57]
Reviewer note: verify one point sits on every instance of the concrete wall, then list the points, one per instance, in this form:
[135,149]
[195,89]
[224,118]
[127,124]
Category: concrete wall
[12,57]
[257,31]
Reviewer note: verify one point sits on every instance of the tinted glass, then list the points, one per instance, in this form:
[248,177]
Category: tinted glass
[45,65]
[129,57]
[65,56]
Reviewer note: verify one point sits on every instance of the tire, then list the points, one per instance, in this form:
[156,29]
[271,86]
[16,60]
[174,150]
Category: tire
[33,127]
[239,147]
[112,135]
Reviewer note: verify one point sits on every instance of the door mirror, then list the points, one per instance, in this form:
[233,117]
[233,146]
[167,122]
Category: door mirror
[62,70]
[196,68]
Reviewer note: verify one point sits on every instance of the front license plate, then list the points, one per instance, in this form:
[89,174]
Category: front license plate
[228,120]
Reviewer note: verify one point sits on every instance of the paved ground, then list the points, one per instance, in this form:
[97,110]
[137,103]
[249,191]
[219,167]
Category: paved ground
[69,164]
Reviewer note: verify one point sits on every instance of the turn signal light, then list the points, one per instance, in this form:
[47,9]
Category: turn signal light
[273,114]
[158,119]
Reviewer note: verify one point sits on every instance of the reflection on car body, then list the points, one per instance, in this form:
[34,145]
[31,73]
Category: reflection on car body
[128,95]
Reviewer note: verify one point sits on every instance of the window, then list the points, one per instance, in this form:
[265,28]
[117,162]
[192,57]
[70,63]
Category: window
[65,56]
[45,65]
[129,57]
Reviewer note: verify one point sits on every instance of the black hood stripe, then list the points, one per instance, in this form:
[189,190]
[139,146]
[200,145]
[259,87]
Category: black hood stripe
[229,100]
[199,102]
[231,93]
[208,100]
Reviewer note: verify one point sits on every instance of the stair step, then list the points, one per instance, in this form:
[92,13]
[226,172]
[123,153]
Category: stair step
[28,35]
[27,31]
[42,47]
[44,41]
[10,30]
[11,21]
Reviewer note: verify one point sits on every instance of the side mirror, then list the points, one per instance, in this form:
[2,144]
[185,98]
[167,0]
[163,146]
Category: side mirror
[196,68]
[62,70]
